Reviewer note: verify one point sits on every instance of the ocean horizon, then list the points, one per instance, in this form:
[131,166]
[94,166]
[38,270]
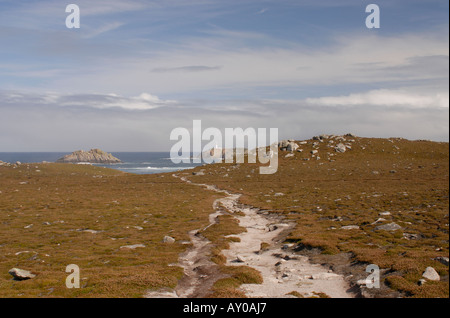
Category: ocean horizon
[132,162]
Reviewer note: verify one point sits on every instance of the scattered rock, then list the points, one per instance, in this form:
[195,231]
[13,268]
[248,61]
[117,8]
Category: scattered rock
[409,236]
[386,213]
[20,274]
[431,274]
[292,146]
[421,282]
[443,260]
[272,227]
[168,239]
[340,148]
[283,145]
[132,247]
[201,173]
[378,221]
[239,259]
[88,231]
[388,227]
[22,252]
[350,227]
[363,282]
[290,155]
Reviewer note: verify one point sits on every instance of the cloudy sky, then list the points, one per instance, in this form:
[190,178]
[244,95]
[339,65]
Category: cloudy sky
[137,69]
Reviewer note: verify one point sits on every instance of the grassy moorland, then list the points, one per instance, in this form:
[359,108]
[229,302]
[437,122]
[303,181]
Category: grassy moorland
[375,183]
[53,215]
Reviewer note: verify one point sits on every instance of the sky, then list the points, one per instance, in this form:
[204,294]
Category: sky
[135,70]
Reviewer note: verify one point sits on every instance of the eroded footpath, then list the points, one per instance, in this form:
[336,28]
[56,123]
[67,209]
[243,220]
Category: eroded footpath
[285,273]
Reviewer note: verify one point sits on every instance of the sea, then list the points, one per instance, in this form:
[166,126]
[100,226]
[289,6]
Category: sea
[132,162]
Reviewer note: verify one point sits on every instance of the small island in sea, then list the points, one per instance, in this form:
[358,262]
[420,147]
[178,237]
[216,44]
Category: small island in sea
[91,156]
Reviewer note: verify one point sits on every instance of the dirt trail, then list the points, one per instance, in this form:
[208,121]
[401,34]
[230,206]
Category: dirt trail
[282,269]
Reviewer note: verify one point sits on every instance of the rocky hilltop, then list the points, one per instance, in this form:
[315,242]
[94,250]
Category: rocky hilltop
[91,156]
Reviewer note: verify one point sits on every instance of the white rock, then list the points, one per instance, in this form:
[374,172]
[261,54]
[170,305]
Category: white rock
[340,148]
[168,239]
[379,220]
[132,247]
[89,231]
[20,274]
[292,146]
[431,274]
[388,227]
[239,259]
[350,227]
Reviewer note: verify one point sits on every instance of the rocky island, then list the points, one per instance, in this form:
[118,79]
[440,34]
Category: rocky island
[91,156]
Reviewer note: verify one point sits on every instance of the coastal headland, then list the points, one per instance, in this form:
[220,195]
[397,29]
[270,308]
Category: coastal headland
[336,205]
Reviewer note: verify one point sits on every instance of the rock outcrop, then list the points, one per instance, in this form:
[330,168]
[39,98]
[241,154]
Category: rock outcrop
[20,274]
[288,145]
[91,156]
[431,274]
[388,227]
[340,148]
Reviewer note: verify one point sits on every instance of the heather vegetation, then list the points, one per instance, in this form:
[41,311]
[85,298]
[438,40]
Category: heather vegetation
[378,201]
[381,201]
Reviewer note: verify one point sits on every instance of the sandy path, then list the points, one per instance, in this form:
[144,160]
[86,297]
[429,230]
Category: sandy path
[200,273]
[282,269]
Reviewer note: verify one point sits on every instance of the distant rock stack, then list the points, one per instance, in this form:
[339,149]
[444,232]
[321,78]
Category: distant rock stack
[91,156]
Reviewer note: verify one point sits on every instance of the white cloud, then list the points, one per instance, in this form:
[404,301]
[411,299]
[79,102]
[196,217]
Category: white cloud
[41,123]
[400,59]
[143,101]
[103,29]
[386,98]
[262,11]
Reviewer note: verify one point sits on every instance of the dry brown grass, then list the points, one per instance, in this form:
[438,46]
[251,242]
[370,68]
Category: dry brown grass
[407,178]
[71,198]
[321,196]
